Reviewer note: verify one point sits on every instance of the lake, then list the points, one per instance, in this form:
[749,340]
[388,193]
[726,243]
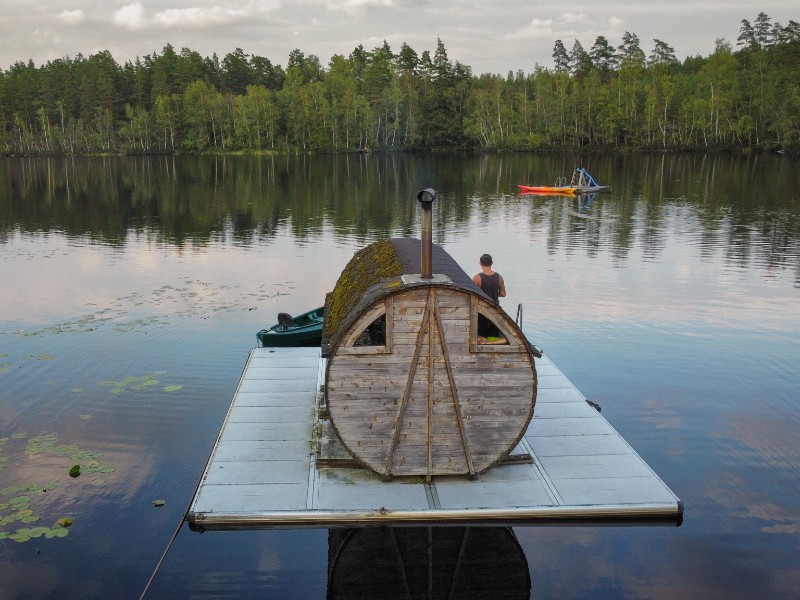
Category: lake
[133,289]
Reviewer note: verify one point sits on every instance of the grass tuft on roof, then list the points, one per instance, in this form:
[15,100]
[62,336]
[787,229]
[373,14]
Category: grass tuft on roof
[369,266]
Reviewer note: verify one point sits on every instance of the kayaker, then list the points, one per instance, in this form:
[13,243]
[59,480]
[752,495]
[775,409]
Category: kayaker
[490,281]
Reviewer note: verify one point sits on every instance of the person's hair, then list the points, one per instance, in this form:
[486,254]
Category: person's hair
[486,260]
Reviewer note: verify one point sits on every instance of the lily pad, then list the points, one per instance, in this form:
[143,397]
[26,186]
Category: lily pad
[64,522]
[60,532]
[75,471]
[173,388]
[97,466]
[86,455]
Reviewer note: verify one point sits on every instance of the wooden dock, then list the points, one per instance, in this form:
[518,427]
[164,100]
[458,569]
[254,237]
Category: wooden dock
[270,468]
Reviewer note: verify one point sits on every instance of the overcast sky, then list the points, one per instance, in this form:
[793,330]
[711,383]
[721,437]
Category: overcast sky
[490,36]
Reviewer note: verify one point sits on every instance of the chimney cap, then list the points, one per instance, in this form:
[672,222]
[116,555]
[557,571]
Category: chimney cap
[426,195]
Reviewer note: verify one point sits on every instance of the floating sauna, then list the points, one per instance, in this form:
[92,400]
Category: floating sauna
[411,386]
[426,375]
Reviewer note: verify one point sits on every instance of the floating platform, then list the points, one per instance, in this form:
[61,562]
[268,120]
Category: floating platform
[581,191]
[276,464]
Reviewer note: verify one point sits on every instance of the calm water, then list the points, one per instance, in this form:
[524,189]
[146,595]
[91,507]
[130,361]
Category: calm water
[132,290]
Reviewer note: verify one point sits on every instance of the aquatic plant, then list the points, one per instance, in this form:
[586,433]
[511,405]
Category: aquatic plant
[21,504]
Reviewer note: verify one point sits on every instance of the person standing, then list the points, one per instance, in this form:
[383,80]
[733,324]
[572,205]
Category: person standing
[490,281]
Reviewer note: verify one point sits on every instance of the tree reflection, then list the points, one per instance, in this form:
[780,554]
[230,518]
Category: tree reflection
[743,203]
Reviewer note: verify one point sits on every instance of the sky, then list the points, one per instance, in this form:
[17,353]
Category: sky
[488,36]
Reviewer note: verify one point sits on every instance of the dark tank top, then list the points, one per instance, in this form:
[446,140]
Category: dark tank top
[491,285]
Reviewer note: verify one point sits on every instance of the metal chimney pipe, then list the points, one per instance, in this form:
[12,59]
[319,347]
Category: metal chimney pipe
[426,198]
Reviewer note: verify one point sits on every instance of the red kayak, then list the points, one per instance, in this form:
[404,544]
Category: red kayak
[548,189]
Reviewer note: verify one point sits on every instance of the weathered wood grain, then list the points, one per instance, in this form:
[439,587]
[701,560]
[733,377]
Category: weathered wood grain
[432,400]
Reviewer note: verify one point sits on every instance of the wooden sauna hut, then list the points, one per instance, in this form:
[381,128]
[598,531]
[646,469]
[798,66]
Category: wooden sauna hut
[413,386]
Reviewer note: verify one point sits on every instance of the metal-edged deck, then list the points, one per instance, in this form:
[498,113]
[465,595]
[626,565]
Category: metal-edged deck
[265,471]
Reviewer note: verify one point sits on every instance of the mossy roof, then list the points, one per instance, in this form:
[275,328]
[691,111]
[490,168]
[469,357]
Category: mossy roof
[375,272]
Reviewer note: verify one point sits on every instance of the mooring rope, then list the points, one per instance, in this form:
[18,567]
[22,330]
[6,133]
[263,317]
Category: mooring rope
[174,535]
[164,554]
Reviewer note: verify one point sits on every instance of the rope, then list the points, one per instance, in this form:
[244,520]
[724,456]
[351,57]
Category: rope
[164,555]
[174,535]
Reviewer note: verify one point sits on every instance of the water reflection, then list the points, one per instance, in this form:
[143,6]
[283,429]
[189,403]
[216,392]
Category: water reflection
[672,302]
[746,202]
[427,562]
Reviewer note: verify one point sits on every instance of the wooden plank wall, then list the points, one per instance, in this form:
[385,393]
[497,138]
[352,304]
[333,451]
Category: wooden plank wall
[430,403]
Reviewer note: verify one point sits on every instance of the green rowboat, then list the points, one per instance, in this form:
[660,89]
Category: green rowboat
[302,330]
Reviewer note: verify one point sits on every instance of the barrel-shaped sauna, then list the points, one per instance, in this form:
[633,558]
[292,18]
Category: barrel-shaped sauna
[414,385]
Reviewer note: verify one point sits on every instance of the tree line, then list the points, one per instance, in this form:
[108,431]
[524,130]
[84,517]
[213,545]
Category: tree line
[742,97]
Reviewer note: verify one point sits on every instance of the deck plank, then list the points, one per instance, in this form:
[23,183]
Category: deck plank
[244,431]
[463,494]
[231,499]
[559,410]
[600,466]
[263,472]
[355,490]
[578,445]
[559,426]
[256,472]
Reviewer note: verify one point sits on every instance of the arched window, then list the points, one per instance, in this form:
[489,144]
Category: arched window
[488,331]
[372,332]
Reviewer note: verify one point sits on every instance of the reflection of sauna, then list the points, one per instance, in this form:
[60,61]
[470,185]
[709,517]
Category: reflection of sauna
[413,386]
[427,562]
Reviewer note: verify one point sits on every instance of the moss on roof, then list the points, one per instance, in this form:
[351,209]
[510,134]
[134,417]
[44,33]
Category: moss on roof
[369,266]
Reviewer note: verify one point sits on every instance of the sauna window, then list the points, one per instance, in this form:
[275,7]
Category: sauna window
[373,335]
[489,333]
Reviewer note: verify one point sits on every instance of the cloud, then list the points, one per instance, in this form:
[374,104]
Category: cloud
[354,6]
[72,17]
[573,18]
[537,28]
[47,36]
[130,16]
[198,17]
[568,26]
[134,17]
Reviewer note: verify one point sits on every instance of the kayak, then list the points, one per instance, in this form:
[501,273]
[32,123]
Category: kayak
[582,183]
[302,330]
[548,189]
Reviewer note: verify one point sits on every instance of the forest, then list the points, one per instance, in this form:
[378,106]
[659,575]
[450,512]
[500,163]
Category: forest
[743,97]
